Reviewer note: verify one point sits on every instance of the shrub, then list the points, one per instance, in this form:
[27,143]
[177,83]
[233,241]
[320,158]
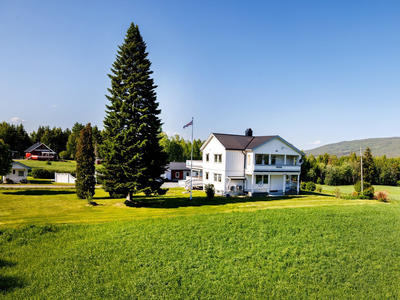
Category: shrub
[357,186]
[382,196]
[48,162]
[64,154]
[319,180]
[43,173]
[303,186]
[209,189]
[354,194]
[398,183]
[318,189]
[9,181]
[310,186]
[369,192]
[337,192]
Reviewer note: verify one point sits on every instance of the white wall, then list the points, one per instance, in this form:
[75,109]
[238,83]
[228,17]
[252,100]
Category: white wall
[212,148]
[14,173]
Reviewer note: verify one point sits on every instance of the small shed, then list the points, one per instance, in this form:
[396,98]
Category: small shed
[176,171]
[18,172]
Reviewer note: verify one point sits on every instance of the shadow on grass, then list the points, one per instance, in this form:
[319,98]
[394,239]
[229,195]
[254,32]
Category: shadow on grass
[176,202]
[9,283]
[38,192]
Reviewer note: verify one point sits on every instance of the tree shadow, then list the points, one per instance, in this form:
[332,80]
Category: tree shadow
[9,283]
[38,192]
[171,202]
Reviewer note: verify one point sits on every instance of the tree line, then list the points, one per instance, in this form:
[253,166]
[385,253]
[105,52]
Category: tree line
[346,170]
[64,142]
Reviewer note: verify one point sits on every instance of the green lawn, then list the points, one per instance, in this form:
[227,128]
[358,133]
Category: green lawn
[312,246]
[394,191]
[69,165]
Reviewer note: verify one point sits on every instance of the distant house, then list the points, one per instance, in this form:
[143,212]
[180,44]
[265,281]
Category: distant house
[18,172]
[177,171]
[237,164]
[39,151]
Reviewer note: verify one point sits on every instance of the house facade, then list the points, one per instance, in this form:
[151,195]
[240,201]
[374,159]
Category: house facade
[176,171]
[238,164]
[18,172]
[39,151]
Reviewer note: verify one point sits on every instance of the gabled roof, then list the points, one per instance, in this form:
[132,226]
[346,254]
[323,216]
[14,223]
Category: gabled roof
[33,147]
[243,142]
[177,166]
[22,165]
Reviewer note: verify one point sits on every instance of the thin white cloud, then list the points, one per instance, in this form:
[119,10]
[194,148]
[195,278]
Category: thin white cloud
[53,105]
[315,143]
[17,120]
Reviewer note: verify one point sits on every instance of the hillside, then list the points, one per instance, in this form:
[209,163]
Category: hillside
[379,147]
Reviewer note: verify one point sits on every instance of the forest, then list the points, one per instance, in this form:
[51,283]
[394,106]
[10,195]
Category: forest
[346,170]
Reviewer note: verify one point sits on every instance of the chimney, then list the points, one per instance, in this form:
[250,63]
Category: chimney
[248,132]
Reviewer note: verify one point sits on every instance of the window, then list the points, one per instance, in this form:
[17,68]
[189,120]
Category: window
[207,175]
[13,171]
[273,160]
[248,159]
[207,157]
[259,159]
[259,180]
[21,173]
[217,158]
[217,177]
[176,174]
[265,179]
[266,159]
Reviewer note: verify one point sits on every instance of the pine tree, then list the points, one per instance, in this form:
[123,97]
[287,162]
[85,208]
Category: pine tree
[5,158]
[368,166]
[134,160]
[85,169]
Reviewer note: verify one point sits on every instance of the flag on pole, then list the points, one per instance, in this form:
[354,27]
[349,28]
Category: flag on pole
[188,124]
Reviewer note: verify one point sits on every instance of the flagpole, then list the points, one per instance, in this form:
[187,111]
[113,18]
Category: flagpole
[191,166]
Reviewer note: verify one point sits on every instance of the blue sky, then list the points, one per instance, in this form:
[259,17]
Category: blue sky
[313,72]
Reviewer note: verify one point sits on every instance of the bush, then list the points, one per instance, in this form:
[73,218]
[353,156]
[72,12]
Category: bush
[64,154]
[369,192]
[48,162]
[357,186]
[310,186]
[303,186]
[24,181]
[398,183]
[319,180]
[337,192]
[354,194]
[318,189]
[210,191]
[48,174]
[9,181]
[382,196]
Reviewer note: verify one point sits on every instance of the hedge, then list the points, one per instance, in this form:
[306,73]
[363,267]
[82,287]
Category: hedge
[47,174]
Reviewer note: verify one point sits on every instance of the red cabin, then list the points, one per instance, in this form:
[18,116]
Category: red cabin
[39,151]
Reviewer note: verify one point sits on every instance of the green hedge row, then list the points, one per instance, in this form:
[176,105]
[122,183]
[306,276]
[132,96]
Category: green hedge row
[47,174]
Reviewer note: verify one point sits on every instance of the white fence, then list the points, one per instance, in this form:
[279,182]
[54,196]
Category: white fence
[64,178]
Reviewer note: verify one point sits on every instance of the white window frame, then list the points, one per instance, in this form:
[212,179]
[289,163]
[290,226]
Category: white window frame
[218,158]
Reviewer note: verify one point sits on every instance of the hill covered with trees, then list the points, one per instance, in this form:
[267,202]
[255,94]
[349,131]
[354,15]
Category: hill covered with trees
[379,147]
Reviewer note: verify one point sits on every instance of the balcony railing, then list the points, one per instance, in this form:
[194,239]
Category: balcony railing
[276,168]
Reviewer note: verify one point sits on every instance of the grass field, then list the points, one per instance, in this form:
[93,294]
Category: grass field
[306,247]
[394,191]
[69,165]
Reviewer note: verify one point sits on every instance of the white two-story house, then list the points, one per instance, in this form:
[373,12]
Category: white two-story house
[238,164]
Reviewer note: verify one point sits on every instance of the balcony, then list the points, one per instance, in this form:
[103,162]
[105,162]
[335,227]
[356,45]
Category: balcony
[275,168]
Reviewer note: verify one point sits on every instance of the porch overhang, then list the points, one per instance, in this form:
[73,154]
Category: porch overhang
[237,177]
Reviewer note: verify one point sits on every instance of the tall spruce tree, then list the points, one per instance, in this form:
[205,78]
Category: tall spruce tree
[134,160]
[85,169]
[368,166]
